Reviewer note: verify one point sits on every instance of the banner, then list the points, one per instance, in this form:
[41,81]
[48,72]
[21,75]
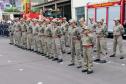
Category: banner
[26,4]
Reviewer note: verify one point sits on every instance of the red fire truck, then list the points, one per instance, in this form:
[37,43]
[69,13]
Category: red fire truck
[108,11]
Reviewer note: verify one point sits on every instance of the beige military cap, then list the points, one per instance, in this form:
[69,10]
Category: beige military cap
[54,20]
[72,21]
[82,19]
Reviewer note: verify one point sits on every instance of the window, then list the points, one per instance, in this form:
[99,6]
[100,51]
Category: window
[80,12]
[125,12]
[114,12]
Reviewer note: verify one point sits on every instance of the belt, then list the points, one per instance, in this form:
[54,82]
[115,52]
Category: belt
[76,39]
[23,31]
[17,31]
[49,36]
[87,46]
[56,37]
[116,35]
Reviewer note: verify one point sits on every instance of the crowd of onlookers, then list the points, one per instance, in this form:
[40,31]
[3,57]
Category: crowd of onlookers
[4,25]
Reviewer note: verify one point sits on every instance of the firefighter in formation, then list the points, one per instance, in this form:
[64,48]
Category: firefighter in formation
[54,38]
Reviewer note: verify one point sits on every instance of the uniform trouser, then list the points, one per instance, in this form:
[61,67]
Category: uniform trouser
[69,40]
[11,38]
[94,41]
[18,38]
[69,43]
[88,62]
[78,52]
[66,39]
[49,46]
[29,41]
[24,40]
[39,44]
[72,46]
[14,37]
[106,45]
[117,41]
[35,41]
[58,48]
[63,43]
[81,48]
[101,47]
[42,44]
[45,46]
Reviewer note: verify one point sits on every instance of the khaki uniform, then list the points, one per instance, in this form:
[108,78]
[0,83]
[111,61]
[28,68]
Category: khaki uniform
[93,29]
[41,42]
[87,43]
[49,40]
[63,38]
[69,36]
[66,35]
[57,34]
[35,38]
[101,42]
[11,34]
[29,37]
[117,33]
[24,36]
[75,46]
[106,34]
[45,41]
[18,34]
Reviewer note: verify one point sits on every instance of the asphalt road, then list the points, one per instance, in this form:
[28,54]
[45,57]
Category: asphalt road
[19,66]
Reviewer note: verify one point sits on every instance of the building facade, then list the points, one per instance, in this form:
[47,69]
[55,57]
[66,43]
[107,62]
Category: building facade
[64,6]
[78,9]
[108,11]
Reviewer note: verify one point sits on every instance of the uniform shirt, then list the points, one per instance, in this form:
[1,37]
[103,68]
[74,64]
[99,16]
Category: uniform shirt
[64,28]
[93,27]
[57,32]
[29,30]
[35,29]
[105,29]
[101,32]
[24,28]
[87,39]
[118,30]
[75,33]
[18,27]
[41,30]
[48,30]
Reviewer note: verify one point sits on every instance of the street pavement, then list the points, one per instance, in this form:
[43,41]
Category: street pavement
[19,66]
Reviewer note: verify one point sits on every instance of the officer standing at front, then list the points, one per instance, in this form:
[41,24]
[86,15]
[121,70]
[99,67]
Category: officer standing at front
[87,43]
